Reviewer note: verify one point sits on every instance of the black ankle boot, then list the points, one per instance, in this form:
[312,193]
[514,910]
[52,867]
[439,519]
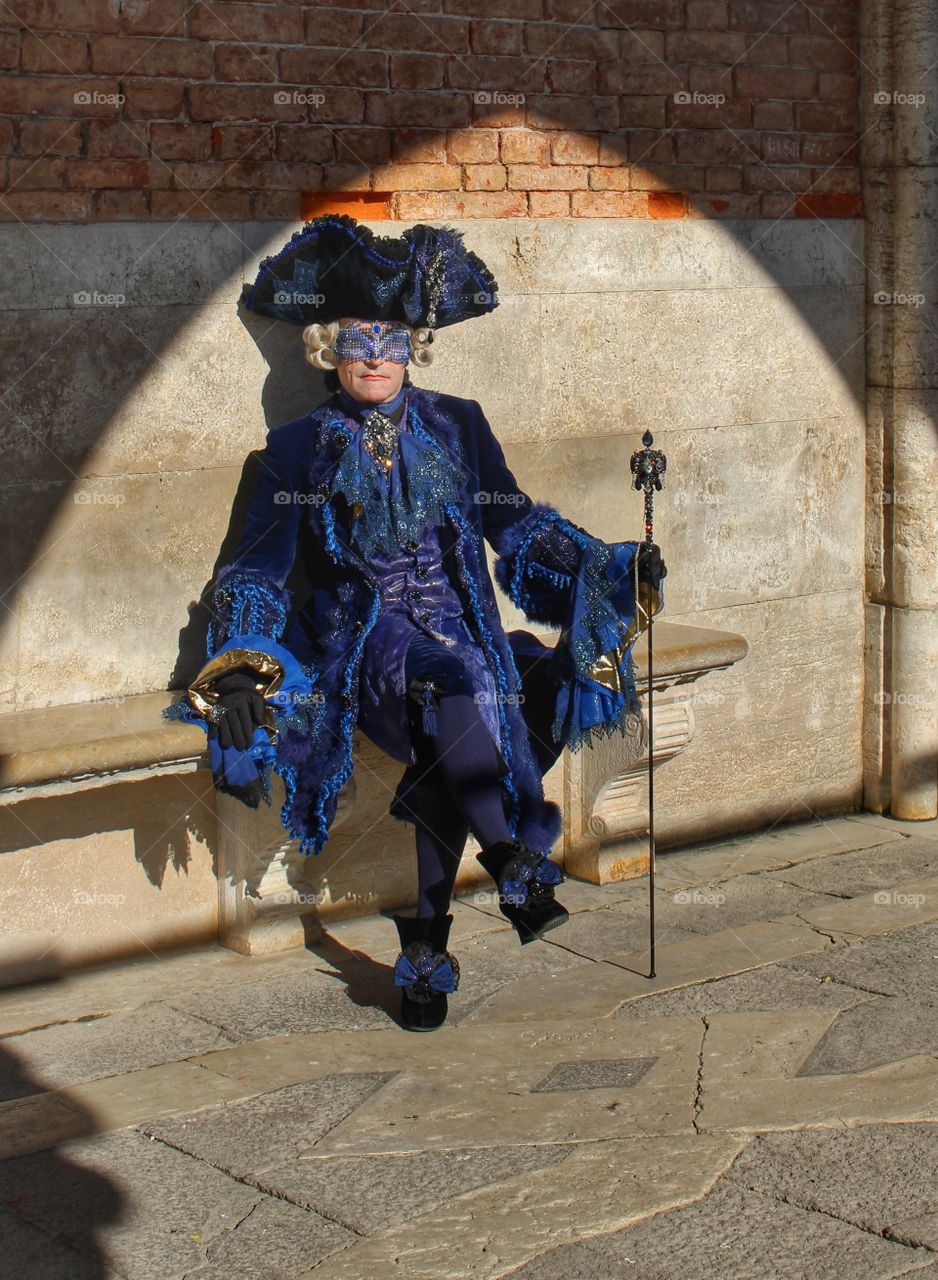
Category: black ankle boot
[525,882]
[425,969]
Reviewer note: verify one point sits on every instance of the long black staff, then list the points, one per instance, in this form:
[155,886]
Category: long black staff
[648,466]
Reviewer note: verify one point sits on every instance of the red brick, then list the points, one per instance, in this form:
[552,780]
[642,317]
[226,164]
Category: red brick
[549,204]
[635,78]
[608,204]
[827,117]
[311,145]
[462,204]
[524,146]
[716,147]
[58,55]
[368,204]
[140,56]
[709,78]
[198,206]
[278,23]
[233,102]
[492,8]
[668,177]
[89,175]
[508,75]
[117,139]
[838,85]
[614,148]
[707,15]
[417,177]
[839,149]
[112,204]
[839,20]
[610,178]
[781,148]
[420,146]
[648,146]
[780,17]
[820,53]
[760,177]
[720,178]
[336,27]
[769,51]
[833,205]
[584,114]
[642,113]
[571,77]
[732,205]
[343,177]
[36,175]
[58,96]
[358,68]
[777,206]
[705,46]
[641,46]
[547,177]
[181,141]
[667,204]
[765,82]
[495,114]
[735,113]
[413,34]
[574,148]
[544,39]
[9,49]
[351,146]
[283,206]
[417,71]
[502,38]
[658,14]
[249,174]
[49,137]
[155,99]
[842,180]
[426,110]
[47,206]
[484,177]
[773,115]
[472,146]
[246,63]
[243,141]
[154,17]
[61,15]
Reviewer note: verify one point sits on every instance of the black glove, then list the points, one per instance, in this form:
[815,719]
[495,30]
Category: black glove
[651,567]
[243,709]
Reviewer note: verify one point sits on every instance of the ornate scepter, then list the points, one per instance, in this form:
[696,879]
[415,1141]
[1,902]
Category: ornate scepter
[648,466]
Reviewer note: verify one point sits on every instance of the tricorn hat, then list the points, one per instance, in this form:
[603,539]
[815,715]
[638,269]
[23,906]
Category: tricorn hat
[334,267]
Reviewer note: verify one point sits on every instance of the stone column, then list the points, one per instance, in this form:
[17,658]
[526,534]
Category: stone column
[899,95]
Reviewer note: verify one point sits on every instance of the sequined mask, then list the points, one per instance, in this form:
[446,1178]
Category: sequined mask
[376,342]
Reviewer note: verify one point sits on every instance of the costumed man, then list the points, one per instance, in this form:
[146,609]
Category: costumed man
[386,493]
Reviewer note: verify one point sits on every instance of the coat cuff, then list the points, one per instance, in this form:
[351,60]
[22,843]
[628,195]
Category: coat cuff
[246,603]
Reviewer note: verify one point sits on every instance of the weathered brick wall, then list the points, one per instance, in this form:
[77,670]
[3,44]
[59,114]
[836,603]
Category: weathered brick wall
[433,108]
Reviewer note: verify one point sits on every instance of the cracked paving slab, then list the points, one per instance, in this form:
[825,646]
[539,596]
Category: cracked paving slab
[900,964]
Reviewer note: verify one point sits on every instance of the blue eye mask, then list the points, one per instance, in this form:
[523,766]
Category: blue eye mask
[374,343]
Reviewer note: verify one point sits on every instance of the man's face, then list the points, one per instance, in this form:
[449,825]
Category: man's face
[372,379]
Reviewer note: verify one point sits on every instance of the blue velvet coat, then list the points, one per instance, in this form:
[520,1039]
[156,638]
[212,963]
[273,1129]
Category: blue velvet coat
[324,627]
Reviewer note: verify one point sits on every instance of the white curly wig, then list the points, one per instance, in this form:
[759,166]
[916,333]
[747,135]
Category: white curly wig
[318,340]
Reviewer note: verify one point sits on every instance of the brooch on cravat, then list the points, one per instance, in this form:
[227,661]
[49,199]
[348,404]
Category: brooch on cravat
[380,434]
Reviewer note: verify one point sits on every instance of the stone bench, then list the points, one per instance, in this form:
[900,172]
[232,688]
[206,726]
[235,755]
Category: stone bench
[108,806]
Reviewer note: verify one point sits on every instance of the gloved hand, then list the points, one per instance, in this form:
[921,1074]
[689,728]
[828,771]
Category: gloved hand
[243,707]
[651,567]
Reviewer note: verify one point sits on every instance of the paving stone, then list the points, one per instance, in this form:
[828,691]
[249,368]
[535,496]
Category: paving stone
[245,1138]
[491,961]
[773,987]
[875,1176]
[740,900]
[293,1005]
[897,964]
[366,1193]
[602,1073]
[572,1262]
[76,1051]
[276,1241]
[612,930]
[153,1210]
[850,874]
[873,1034]
[738,1234]
[28,1254]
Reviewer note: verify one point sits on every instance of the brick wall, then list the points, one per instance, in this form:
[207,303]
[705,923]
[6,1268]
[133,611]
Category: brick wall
[428,109]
